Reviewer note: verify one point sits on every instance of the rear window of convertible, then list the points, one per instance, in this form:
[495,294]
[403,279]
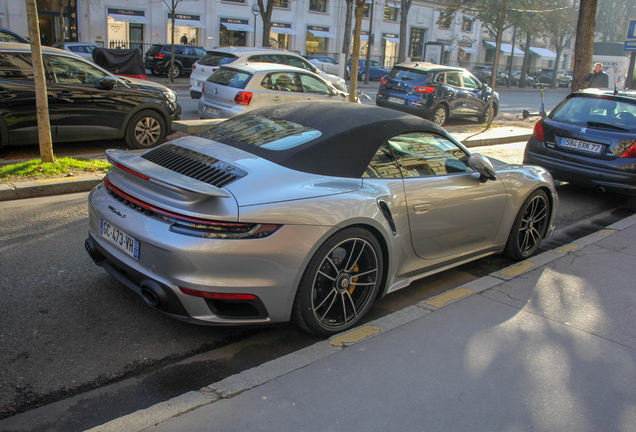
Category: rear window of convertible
[271,134]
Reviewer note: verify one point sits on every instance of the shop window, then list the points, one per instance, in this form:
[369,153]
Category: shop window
[234,1]
[318,5]
[467,24]
[416,43]
[390,12]
[284,4]
[365,10]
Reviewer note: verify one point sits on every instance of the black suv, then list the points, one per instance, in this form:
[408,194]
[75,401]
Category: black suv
[435,92]
[157,59]
[85,101]
[484,74]
[563,79]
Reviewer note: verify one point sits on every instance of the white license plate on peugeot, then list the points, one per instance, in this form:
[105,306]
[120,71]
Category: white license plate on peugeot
[119,238]
[396,100]
[581,145]
[215,112]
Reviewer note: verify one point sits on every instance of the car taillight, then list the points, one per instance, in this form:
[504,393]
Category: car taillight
[630,152]
[194,66]
[538,131]
[423,89]
[359,67]
[243,97]
[383,81]
[159,56]
[203,87]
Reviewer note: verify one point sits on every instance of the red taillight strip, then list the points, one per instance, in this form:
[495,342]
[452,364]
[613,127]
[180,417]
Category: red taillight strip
[166,213]
[217,296]
[128,170]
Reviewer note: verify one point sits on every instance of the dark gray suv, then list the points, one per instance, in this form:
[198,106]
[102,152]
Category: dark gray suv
[157,58]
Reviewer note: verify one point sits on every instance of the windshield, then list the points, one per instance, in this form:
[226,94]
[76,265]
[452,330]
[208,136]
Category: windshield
[597,112]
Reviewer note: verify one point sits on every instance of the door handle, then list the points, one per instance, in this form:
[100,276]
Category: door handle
[422,208]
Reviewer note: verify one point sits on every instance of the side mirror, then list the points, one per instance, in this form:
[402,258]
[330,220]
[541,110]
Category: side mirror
[108,82]
[483,166]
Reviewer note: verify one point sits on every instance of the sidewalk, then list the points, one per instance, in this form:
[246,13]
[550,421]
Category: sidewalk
[545,345]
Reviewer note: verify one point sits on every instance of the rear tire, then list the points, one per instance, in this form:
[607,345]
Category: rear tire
[176,71]
[440,116]
[363,75]
[145,130]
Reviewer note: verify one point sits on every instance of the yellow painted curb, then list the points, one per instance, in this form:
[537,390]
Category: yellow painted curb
[56,180]
[354,335]
[605,233]
[518,269]
[567,248]
[449,296]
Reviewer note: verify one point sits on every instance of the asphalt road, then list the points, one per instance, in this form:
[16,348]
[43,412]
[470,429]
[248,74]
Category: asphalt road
[88,350]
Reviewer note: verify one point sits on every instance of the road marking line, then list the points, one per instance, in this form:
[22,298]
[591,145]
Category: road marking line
[567,248]
[354,336]
[605,233]
[518,269]
[57,180]
[449,296]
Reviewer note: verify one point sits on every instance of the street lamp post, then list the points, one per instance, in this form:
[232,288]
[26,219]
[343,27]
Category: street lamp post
[256,10]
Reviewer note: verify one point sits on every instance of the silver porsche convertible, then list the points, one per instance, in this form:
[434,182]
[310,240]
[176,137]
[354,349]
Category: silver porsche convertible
[307,211]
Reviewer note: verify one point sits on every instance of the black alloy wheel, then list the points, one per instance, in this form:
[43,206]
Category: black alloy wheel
[529,227]
[340,283]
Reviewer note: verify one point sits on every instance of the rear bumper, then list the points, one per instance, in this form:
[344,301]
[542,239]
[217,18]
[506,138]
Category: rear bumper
[382,101]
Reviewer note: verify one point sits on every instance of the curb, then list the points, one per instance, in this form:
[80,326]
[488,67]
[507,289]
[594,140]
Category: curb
[59,186]
[246,380]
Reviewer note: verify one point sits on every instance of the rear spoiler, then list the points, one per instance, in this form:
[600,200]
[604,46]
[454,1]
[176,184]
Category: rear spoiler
[162,176]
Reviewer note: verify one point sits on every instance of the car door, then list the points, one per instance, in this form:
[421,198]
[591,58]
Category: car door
[83,108]
[474,99]
[314,88]
[451,212]
[283,87]
[451,92]
[17,98]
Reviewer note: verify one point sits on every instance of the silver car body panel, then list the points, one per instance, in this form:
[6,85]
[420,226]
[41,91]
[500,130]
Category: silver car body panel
[424,235]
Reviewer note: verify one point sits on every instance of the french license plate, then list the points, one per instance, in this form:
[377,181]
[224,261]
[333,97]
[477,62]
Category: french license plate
[396,100]
[213,111]
[581,145]
[122,240]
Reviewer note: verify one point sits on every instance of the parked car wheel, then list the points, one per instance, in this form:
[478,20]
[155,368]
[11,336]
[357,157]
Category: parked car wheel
[440,116]
[484,117]
[340,283]
[176,71]
[529,227]
[154,72]
[145,130]
[363,75]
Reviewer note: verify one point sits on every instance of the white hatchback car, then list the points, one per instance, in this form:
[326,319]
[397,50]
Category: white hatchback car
[231,91]
[205,66]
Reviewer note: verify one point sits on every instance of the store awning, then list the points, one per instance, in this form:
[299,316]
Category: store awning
[237,27]
[468,50]
[392,40]
[543,52]
[322,34]
[283,30]
[187,23]
[507,49]
[139,19]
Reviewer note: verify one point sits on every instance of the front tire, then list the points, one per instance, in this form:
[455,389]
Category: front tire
[440,116]
[145,130]
[529,227]
[340,283]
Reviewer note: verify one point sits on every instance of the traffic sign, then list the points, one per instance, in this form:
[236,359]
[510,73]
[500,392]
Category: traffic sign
[630,45]
[631,30]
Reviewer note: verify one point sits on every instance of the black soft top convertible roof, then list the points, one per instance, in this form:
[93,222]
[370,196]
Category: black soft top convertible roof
[350,135]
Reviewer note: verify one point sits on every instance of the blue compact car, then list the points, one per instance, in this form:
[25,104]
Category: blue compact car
[435,92]
[376,70]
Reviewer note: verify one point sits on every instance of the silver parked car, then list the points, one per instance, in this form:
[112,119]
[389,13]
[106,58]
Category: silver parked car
[307,211]
[234,90]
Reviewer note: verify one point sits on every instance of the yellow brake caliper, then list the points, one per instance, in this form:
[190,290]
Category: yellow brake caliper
[355,279]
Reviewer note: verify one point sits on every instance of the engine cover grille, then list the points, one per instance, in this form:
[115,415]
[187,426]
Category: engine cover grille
[194,165]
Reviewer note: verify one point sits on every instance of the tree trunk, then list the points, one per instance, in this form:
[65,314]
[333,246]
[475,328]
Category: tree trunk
[584,45]
[266,17]
[355,55]
[526,60]
[171,68]
[555,69]
[404,13]
[346,43]
[495,66]
[41,99]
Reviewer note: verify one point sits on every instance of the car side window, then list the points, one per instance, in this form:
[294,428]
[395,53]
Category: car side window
[452,78]
[422,154]
[470,82]
[67,70]
[284,81]
[313,85]
[383,165]
[440,78]
[16,66]
[4,37]
[76,48]
[266,58]
[199,52]
[296,62]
